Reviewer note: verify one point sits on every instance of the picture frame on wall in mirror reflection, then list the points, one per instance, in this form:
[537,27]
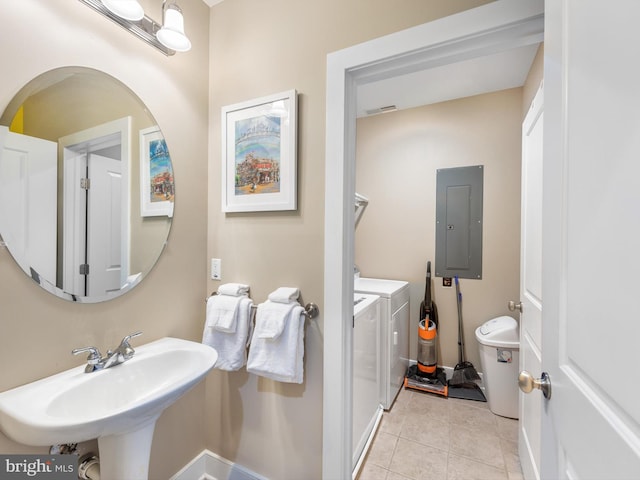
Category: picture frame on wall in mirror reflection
[157,187]
[259,164]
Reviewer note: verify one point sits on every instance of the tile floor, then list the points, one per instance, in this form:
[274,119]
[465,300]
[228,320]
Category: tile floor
[425,436]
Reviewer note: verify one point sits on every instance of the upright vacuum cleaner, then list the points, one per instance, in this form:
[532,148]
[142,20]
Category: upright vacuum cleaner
[426,376]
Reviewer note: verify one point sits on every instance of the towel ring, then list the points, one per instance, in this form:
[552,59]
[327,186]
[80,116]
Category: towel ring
[311,310]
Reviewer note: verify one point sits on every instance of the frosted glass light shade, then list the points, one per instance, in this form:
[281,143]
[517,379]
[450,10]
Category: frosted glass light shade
[127,9]
[171,35]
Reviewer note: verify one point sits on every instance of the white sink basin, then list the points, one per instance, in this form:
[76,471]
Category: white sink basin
[121,402]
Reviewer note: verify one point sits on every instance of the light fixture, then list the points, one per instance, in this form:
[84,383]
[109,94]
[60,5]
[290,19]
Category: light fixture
[171,35]
[127,9]
[168,38]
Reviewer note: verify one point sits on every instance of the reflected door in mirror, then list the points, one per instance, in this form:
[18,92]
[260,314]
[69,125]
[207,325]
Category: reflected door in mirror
[28,173]
[96,247]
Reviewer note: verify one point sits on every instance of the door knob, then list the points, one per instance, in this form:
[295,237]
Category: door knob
[527,383]
[513,306]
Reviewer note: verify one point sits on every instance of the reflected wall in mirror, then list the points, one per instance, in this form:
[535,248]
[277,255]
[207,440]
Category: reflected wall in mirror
[86,184]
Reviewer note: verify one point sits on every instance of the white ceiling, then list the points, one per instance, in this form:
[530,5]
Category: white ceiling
[486,74]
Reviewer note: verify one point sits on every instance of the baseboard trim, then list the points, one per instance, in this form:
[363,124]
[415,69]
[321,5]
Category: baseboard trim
[210,466]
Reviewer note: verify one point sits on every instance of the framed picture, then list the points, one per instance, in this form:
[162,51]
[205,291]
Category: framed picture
[259,154]
[157,188]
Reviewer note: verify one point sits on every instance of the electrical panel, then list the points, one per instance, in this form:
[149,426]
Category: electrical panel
[459,222]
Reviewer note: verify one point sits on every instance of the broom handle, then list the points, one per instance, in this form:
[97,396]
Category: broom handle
[460,331]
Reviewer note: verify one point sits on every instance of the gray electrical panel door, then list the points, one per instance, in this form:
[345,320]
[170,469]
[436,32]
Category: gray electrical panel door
[459,222]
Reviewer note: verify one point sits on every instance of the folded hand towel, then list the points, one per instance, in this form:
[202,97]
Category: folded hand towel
[280,359]
[271,318]
[284,295]
[222,312]
[231,347]
[233,289]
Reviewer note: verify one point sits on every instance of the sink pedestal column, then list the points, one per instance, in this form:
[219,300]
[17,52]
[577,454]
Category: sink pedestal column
[126,456]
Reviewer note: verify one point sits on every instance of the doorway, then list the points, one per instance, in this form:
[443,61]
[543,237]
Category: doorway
[95,219]
[482,31]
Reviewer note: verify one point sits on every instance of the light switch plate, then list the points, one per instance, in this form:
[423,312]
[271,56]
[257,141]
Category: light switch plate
[216,269]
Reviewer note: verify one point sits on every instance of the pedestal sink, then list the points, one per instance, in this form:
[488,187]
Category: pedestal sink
[119,405]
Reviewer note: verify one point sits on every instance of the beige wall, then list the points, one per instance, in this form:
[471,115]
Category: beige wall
[260,48]
[38,330]
[397,158]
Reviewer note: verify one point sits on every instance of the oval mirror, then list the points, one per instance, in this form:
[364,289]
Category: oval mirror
[86,184]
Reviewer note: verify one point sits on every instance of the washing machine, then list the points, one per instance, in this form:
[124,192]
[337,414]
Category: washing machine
[393,332]
[366,366]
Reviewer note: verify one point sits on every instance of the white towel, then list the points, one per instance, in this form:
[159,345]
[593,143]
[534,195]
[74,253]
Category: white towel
[233,289]
[222,312]
[231,347]
[271,318]
[280,359]
[284,295]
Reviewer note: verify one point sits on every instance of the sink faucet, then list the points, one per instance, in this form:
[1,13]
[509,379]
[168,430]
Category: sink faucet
[95,360]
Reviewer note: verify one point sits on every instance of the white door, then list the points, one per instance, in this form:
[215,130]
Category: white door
[530,406]
[92,225]
[591,234]
[28,205]
[104,222]
[96,223]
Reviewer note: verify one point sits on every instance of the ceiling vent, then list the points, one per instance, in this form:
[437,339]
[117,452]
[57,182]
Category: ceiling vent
[387,109]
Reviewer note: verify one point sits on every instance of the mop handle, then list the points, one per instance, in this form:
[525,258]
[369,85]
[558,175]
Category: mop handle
[460,331]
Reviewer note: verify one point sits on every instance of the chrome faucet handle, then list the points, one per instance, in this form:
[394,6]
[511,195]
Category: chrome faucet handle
[94,359]
[130,336]
[94,354]
[125,348]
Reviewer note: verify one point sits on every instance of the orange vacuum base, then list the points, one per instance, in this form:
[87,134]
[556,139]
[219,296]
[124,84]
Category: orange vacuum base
[415,382]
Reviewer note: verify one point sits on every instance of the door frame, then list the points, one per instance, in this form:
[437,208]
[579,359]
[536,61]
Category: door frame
[477,32]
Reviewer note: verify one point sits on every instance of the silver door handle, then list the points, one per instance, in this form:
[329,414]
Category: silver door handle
[527,383]
[513,306]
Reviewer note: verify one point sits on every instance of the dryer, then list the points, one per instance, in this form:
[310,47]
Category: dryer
[393,332]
